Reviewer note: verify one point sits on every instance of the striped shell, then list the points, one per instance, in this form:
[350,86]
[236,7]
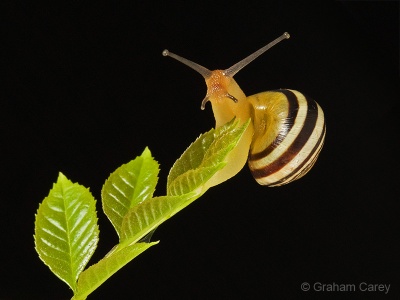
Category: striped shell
[289,132]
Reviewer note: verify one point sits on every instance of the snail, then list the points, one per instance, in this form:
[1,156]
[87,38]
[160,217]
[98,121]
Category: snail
[287,129]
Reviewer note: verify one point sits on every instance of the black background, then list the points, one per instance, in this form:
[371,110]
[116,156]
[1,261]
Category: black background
[87,89]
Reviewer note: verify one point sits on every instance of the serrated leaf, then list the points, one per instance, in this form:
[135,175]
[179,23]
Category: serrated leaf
[129,185]
[146,216]
[66,230]
[203,159]
[95,275]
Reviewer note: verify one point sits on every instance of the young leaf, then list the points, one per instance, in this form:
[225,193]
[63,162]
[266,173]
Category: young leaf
[66,231]
[146,216]
[128,186]
[203,158]
[95,275]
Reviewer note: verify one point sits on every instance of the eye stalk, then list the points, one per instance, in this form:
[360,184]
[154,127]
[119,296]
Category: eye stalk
[206,73]
[218,89]
[244,62]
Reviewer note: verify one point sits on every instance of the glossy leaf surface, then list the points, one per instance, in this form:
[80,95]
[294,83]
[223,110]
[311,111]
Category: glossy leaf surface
[129,185]
[203,158]
[145,217]
[66,231]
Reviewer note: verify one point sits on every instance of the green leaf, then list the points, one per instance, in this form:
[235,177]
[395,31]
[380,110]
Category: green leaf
[95,275]
[129,185]
[146,216]
[66,231]
[203,159]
